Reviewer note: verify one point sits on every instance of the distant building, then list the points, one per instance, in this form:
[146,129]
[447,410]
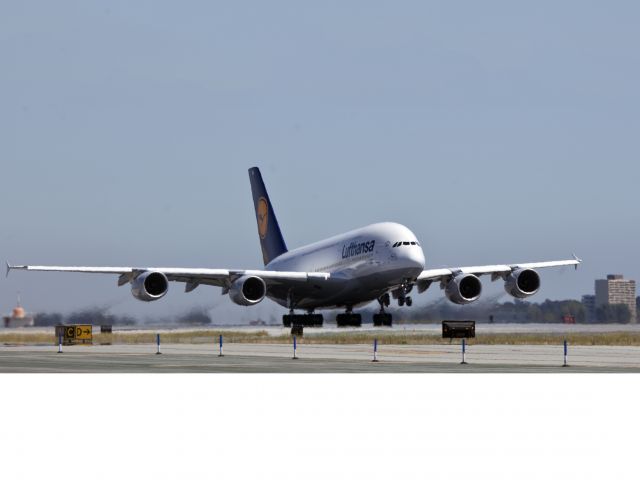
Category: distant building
[18,318]
[615,290]
[589,302]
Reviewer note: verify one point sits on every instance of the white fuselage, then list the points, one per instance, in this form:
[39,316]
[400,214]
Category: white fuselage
[364,264]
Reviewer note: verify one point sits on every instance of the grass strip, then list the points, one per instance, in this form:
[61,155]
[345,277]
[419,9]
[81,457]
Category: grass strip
[331,338]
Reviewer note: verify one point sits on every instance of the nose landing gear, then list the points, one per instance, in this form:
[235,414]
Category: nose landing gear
[401,294]
[405,300]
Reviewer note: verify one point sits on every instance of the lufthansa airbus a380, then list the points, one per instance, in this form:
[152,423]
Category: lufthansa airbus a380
[374,263]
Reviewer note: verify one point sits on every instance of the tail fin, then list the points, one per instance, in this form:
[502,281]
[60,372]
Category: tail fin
[271,239]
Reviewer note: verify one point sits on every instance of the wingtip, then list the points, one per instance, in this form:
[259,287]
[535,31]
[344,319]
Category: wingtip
[577,259]
[10,267]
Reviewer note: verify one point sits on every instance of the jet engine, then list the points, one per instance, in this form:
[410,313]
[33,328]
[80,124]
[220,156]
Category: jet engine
[522,283]
[150,286]
[463,289]
[248,290]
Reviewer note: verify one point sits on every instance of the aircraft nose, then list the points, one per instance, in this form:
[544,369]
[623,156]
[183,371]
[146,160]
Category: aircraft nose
[414,258]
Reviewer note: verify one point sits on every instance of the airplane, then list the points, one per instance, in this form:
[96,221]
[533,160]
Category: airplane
[379,262]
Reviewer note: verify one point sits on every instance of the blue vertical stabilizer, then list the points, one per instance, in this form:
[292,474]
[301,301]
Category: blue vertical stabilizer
[271,239]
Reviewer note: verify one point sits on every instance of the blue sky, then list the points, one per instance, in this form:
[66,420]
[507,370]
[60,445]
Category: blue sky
[497,131]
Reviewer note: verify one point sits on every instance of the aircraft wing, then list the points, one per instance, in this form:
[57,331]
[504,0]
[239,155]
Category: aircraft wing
[191,276]
[496,271]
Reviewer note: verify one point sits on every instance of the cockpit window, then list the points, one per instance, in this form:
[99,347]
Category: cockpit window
[400,244]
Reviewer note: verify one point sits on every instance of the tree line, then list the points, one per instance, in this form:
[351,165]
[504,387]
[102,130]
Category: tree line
[101,316]
[518,311]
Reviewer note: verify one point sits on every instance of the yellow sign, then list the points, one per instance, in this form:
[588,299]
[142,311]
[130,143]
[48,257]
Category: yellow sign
[83,332]
[74,334]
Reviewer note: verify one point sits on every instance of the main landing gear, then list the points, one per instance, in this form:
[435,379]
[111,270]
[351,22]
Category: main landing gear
[298,322]
[383,319]
[308,320]
[349,319]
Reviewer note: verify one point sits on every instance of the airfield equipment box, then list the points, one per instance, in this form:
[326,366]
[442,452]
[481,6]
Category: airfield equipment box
[75,334]
[458,329]
[297,330]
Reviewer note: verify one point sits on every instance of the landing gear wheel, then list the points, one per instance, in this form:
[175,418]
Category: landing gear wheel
[382,320]
[316,320]
[310,320]
[349,320]
[408,301]
[401,302]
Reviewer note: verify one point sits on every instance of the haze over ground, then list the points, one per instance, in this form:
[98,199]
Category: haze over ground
[498,132]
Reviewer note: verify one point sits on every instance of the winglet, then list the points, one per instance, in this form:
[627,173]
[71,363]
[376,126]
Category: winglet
[579,260]
[9,267]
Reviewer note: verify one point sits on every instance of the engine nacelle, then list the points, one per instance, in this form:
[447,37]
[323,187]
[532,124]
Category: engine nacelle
[522,283]
[248,290]
[463,289]
[150,286]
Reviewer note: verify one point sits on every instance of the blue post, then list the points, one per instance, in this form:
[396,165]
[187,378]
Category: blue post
[221,355]
[375,350]
[158,352]
[566,350]
[295,346]
[464,351]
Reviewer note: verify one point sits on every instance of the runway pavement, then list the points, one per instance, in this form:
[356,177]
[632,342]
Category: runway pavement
[261,358]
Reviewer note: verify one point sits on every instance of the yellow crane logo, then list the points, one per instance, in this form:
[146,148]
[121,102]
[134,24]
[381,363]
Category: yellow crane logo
[263,217]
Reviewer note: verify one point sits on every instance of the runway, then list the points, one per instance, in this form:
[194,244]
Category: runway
[258,358]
